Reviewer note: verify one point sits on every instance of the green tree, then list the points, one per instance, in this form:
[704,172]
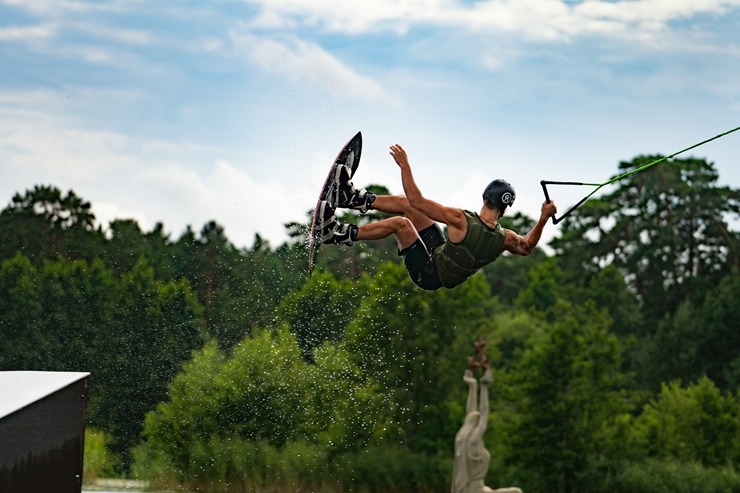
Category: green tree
[44,224]
[153,329]
[132,334]
[188,413]
[720,314]
[569,384]
[268,276]
[666,228]
[261,414]
[321,309]
[213,266]
[608,289]
[128,243]
[700,339]
[348,412]
[240,289]
[205,261]
[257,395]
[21,315]
[549,283]
[545,288]
[696,423]
[405,339]
[78,300]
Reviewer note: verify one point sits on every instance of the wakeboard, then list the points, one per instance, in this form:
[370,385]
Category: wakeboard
[350,157]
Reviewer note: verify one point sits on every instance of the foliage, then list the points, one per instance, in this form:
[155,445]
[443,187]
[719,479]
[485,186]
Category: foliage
[671,476]
[692,424]
[711,328]
[570,396]
[406,339]
[153,328]
[220,405]
[128,244]
[320,310]
[392,469]
[131,334]
[44,224]
[351,379]
[665,228]
[21,316]
[99,462]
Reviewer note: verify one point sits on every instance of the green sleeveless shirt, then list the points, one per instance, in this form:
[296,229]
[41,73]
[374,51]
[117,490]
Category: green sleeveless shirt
[481,246]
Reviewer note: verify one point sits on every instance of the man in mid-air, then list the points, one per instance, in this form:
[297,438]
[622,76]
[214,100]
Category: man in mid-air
[432,261]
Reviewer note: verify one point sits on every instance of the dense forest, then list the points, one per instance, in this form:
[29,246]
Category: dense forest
[616,358]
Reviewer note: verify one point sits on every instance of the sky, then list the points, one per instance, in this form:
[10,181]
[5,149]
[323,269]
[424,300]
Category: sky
[183,112]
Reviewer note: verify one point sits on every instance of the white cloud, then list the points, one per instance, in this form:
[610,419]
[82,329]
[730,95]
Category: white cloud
[350,17]
[52,7]
[651,11]
[303,61]
[150,181]
[27,33]
[125,36]
[243,205]
[532,19]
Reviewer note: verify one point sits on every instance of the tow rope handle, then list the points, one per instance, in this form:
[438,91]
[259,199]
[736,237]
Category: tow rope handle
[598,186]
[544,184]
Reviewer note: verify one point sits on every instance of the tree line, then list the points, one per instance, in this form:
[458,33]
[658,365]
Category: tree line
[615,359]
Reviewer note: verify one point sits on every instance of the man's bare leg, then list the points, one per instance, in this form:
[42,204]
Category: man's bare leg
[399,226]
[406,229]
[349,197]
[397,204]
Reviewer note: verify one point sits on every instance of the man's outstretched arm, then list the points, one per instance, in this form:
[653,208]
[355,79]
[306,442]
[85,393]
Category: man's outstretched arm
[452,217]
[524,245]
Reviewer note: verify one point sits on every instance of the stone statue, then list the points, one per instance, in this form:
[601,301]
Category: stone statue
[471,457]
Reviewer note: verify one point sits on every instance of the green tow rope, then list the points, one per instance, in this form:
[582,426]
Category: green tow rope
[598,186]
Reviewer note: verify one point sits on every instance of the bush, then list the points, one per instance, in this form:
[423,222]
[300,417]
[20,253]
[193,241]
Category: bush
[670,476]
[697,423]
[99,462]
[393,469]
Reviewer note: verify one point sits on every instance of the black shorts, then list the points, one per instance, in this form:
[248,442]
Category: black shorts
[419,261]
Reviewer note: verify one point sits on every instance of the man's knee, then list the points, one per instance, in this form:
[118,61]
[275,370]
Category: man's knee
[404,230]
[401,224]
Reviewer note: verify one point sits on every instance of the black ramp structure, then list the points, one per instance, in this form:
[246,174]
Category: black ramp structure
[42,431]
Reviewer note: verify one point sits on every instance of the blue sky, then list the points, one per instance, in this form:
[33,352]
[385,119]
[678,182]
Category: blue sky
[183,112]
